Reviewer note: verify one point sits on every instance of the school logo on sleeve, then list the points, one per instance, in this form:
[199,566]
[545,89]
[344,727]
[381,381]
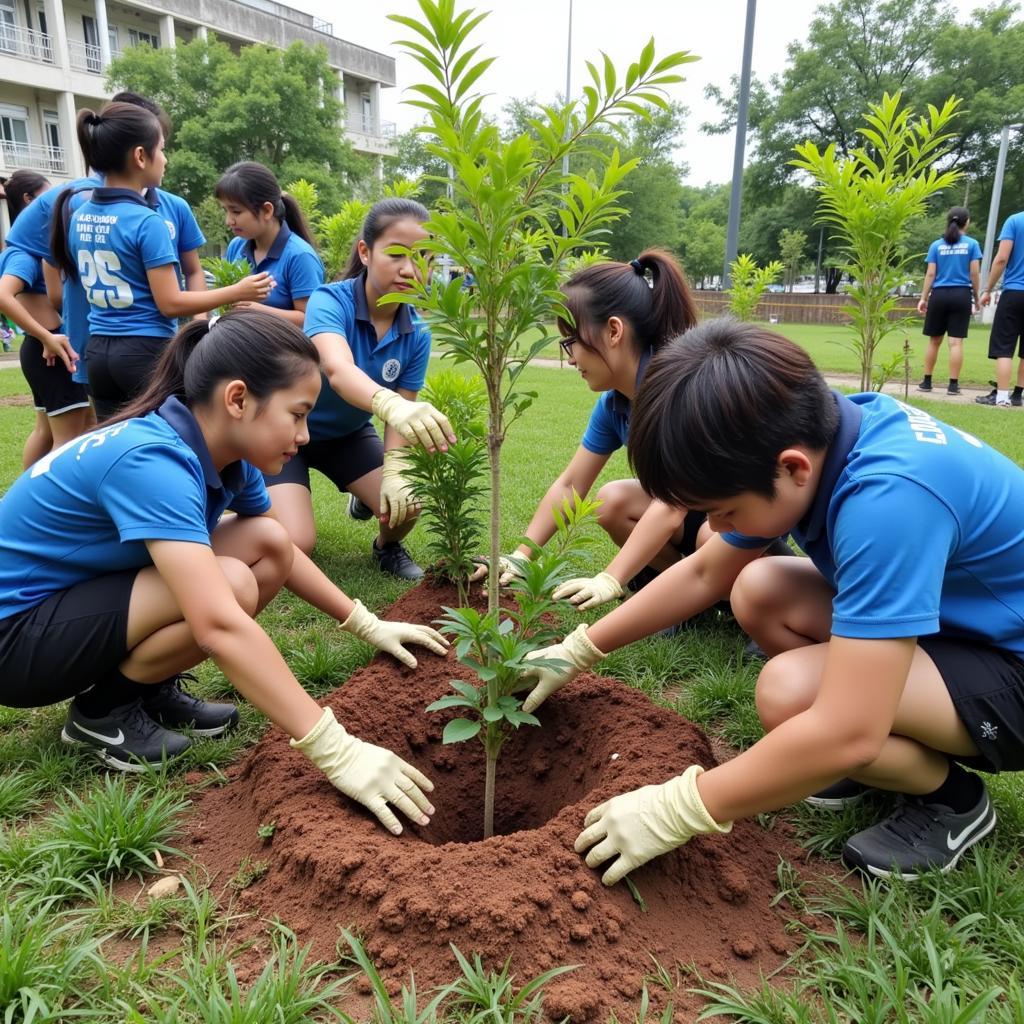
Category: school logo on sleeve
[392,368]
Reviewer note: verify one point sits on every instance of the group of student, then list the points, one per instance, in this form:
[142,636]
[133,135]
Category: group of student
[895,649]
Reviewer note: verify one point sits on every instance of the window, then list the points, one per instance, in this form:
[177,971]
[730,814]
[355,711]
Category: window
[137,38]
[8,27]
[14,132]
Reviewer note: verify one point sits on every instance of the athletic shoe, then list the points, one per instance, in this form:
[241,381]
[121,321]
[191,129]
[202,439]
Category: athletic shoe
[953,389]
[839,795]
[917,837]
[174,707]
[990,399]
[924,386]
[1017,400]
[394,559]
[358,509]
[126,738]
[754,652]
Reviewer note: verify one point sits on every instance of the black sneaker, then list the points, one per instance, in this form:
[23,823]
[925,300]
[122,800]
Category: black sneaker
[641,579]
[990,399]
[124,738]
[754,652]
[358,509]
[924,386]
[917,837]
[175,708]
[394,559]
[953,389]
[839,795]
[1017,400]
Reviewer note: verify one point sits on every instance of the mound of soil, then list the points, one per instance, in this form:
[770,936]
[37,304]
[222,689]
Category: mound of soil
[524,894]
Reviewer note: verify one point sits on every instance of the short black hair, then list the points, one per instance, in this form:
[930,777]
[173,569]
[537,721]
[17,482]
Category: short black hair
[716,407]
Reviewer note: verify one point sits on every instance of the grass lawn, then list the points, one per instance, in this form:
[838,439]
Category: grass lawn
[947,949]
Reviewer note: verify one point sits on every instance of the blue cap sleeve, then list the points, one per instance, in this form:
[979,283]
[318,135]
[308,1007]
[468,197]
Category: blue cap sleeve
[155,246]
[330,310]
[253,499]
[601,437]
[305,272]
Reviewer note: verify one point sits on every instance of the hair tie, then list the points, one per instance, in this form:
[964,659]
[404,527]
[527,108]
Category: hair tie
[93,119]
[210,321]
[637,266]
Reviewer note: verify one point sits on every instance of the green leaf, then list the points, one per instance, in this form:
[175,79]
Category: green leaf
[459,730]
[492,713]
[451,701]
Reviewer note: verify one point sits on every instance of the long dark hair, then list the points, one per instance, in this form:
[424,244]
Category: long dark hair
[127,96]
[263,351]
[21,187]
[382,215]
[106,139]
[252,185]
[956,221]
[657,310]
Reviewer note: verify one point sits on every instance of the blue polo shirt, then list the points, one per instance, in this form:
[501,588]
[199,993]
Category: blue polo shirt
[398,360]
[608,428]
[115,237]
[25,267]
[953,262]
[293,262]
[917,525]
[1013,231]
[180,220]
[87,509]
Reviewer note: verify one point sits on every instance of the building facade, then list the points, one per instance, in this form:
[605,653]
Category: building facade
[54,56]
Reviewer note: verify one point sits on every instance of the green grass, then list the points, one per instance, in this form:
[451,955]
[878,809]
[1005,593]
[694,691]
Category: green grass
[920,954]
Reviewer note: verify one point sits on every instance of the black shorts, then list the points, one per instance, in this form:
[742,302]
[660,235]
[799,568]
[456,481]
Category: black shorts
[53,390]
[691,524]
[63,646]
[119,368]
[948,312]
[987,688]
[341,459]
[1008,326]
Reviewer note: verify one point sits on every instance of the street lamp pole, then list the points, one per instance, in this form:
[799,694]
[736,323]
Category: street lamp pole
[992,228]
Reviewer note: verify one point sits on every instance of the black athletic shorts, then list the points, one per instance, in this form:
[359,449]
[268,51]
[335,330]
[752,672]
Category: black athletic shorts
[948,312]
[341,459]
[63,646]
[1008,326]
[987,688]
[53,390]
[691,524]
[119,368]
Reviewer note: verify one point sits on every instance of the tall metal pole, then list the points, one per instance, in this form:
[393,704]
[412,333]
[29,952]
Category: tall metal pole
[992,227]
[568,80]
[733,230]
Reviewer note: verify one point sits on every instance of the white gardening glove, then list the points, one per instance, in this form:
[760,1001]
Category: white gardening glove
[645,823]
[417,422]
[397,503]
[510,567]
[576,649]
[590,591]
[391,636]
[370,774]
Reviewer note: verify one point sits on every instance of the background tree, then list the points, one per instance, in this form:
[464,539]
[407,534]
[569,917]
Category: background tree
[792,246]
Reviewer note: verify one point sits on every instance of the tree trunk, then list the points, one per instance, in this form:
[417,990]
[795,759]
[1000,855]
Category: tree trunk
[491,750]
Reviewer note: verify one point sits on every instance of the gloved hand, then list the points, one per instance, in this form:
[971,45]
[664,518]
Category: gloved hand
[590,591]
[510,567]
[645,823]
[396,498]
[576,649]
[391,636]
[417,422]
[372,775]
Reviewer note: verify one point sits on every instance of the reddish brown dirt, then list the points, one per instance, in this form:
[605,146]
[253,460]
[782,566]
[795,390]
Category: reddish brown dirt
[523,894]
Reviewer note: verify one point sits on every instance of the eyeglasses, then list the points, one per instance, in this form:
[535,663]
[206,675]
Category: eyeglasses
[566,344]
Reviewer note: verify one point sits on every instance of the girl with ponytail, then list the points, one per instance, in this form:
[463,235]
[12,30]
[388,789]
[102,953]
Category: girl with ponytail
[120,249]
[272,235]
[117,572]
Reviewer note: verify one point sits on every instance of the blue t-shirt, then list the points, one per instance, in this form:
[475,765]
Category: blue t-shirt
[293,262]
[953,262]
[86,509]
[179,218]
[1013,231]
[608,428]
[115,237]
[398,360]
[917,525]
[25,267]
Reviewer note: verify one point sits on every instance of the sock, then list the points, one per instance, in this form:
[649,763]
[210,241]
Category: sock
[927,379]
[112,692]
[954,382]
[960,792]
[1018,391]
[1002,396]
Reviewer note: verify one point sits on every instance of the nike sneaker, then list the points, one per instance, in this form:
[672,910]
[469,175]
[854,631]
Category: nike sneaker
[174,707]
[125,738]
[358,509]
[919,837]
[839,795]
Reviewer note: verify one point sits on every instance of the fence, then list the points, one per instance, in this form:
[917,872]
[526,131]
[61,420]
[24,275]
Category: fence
[797,307]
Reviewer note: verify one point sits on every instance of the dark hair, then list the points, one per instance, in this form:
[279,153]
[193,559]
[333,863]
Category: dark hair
[263,351]
[717,406]
[956,221]
[382,215]
[106,139]
[252,185]
[656,310]
[138,100]
[21,187]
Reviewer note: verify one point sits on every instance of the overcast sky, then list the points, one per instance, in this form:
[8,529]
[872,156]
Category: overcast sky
[528,37]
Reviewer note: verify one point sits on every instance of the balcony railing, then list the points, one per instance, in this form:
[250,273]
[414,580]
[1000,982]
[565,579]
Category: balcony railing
[367,126]
[88,56]
[26,42]
[41,158]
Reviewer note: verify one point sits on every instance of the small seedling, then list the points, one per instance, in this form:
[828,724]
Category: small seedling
[266,831]
[225,273]
[635,893]
[249,873]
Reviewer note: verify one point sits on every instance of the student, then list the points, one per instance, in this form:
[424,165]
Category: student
[272,235]
[949,295]
[896,649]
[117,572]
[121,251]
[1008,325]
[366,349]
[47,357]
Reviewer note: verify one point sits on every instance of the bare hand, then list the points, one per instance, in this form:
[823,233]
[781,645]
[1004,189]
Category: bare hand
[58,346]
[256,287]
